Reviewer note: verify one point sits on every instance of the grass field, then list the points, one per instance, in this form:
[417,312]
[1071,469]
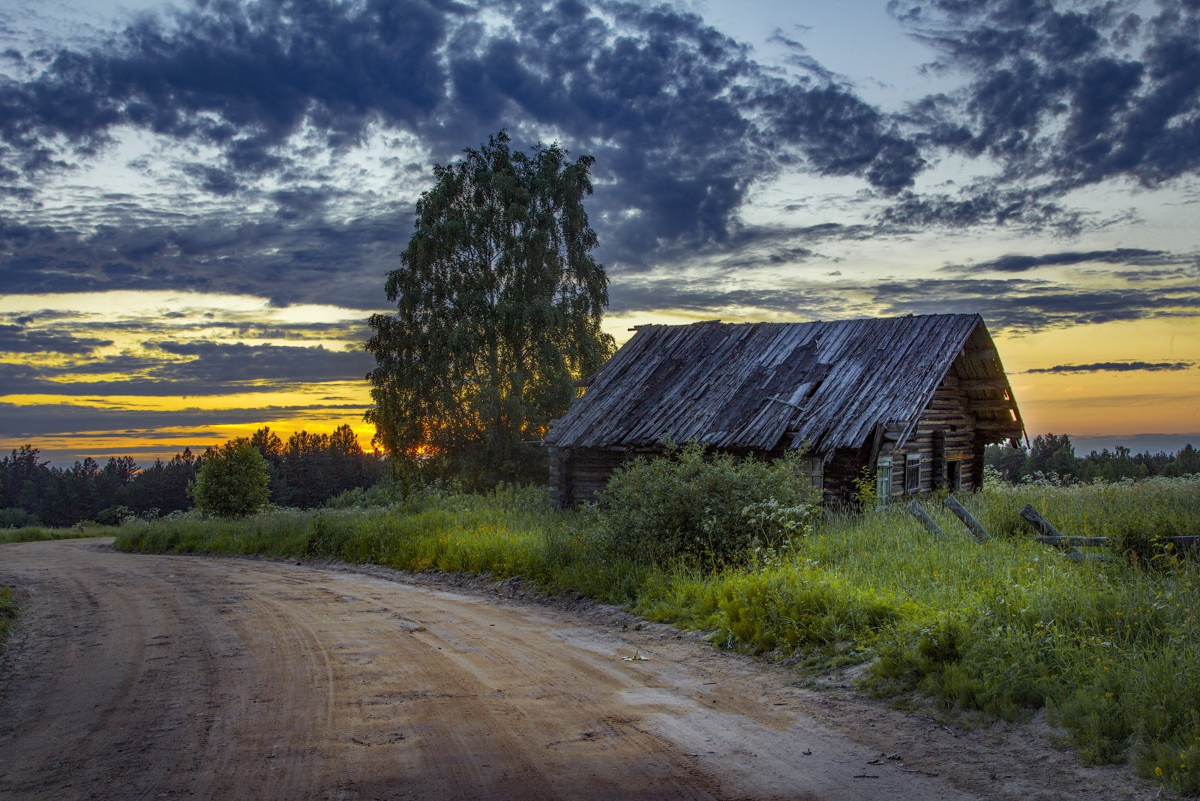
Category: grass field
[8,612]
[1111,649]
[39,533]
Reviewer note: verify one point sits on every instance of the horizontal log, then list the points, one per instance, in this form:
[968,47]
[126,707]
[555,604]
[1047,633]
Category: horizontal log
[999,425]
[1062,541]
[1187,541]
[993,406]
[980,384]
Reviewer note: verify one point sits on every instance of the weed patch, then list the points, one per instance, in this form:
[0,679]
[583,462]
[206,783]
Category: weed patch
[8,612]
[40,533]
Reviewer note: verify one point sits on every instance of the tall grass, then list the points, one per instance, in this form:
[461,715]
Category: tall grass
[39,533]
[1110,649]
[8,612]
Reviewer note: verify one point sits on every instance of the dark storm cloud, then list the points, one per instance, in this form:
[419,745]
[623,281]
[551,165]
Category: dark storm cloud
[1066,95]
[201,369]
[1113,367]
[224,363]
[1019,304]
[19,339]
[703,295]
[291,260]
[679,116]
[1016,263]
[1029,305]
[983,204]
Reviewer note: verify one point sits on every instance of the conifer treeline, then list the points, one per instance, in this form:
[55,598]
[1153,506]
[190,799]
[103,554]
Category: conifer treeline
[306,471]
[1054,454]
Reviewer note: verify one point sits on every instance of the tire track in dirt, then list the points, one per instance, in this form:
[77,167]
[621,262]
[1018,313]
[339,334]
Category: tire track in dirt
[137,676]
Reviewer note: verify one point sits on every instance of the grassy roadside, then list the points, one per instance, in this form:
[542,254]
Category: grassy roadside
[38,533]
[1110,649]
[8,612]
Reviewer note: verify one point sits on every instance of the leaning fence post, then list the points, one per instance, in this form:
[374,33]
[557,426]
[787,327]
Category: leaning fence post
[1040,523]
[916,510]
[978,531]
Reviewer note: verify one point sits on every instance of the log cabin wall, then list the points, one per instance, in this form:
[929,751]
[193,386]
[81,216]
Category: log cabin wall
[840,472]
[578,474]
[945,439]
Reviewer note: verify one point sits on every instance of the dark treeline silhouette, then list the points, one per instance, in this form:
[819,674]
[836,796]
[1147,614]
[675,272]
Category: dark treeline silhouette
[1054,455]
[306,471]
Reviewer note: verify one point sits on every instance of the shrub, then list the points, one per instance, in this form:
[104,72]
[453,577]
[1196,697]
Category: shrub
[113,515]
[233,480]
[15,517]
[715,508]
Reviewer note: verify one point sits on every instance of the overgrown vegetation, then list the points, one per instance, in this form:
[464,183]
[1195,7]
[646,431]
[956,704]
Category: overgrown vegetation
[1110,649]
[708,509]
[8,612]
[39,533]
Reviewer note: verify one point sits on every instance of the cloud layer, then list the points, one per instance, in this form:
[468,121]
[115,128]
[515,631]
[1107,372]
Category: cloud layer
[275,149]
[682,119]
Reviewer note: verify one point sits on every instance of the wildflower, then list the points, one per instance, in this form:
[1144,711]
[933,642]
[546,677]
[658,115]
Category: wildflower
[1157,771]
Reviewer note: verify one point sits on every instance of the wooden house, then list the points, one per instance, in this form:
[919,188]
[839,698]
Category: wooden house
[913,400]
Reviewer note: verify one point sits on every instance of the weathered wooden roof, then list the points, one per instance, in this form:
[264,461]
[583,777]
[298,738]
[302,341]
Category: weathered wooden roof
[765,385]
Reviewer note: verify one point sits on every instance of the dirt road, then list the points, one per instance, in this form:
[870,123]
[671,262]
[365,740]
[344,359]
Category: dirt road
[157,677]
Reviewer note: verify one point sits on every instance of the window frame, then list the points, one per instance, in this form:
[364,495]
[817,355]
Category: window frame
[912,473]
[883,479]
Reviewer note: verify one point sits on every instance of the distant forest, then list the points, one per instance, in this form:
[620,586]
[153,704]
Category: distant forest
[1053,455]
[309,469]
[306,471]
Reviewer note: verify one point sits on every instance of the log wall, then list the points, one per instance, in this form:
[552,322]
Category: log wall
[577,475]
[945,432]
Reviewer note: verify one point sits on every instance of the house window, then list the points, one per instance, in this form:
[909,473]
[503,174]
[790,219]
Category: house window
[883,478]
[814,471]
[912,473]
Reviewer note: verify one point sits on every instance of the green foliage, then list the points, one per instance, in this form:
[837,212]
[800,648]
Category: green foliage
[8,612]
[498,314]
[39,533]
[1053,457]
[15,517]
[113,515]
[59,497]
[709,508]
[233,480]
[866,490]
[1111,650]
[309,469]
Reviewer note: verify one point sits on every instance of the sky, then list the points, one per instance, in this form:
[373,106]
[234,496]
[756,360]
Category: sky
[200,201]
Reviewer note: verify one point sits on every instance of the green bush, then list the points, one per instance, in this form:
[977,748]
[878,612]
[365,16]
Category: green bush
[712,508]
[233,480]
[113,515]
[14,517]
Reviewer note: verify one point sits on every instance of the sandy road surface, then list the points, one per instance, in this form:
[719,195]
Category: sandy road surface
[150,676]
